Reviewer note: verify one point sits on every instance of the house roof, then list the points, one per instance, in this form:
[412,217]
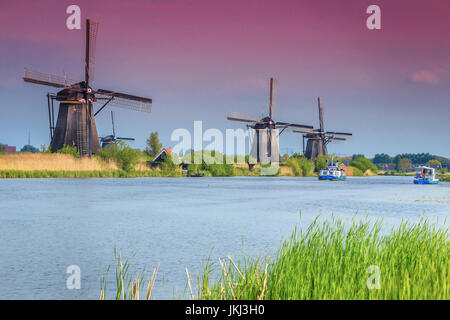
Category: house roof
[165,150]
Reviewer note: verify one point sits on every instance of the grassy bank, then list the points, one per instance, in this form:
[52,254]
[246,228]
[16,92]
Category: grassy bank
[18,174]
[444,177]
[328,260]
[53,162]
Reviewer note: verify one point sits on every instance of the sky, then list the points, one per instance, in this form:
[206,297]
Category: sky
[200,59]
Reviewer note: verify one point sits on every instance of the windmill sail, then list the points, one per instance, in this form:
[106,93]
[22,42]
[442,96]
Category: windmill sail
[234,116]
[91,40]
[339,133]
[46,79]
[319,103]
[126,101]
[273,97]
[286,124]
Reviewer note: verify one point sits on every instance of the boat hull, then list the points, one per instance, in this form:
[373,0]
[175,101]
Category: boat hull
[331,178]
[424,181]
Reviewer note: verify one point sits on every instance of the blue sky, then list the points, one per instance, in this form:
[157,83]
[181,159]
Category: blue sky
[389,87]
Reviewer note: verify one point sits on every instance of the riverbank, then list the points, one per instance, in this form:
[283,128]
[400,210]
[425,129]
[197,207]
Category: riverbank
[39,174]
[329,260]
[56,165]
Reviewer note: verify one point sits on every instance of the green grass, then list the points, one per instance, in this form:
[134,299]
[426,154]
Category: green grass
[444,177]
[332,260]
[17,174]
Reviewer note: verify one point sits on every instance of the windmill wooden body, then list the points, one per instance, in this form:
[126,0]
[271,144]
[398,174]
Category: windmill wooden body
[318,139]
[264,145]
[75,125]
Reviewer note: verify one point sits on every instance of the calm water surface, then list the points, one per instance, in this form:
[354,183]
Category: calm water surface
[48,224]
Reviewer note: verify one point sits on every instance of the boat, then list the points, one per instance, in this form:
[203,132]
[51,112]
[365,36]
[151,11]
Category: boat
[332,172]
[425,175]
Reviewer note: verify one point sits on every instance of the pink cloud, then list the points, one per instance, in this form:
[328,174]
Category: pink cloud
[427,77]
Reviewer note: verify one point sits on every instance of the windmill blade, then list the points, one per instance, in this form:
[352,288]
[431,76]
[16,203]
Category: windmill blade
[319,104]
[46,79]
[339,133]
[336,138]
[273,97]
[301,126]
[91,39]
[304,131]
[121,138]
[112,121]
[234,116]
[126,101]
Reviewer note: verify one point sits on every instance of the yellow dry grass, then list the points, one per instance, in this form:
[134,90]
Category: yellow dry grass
[52,161]
[348,170]
[369,173]
[286,171]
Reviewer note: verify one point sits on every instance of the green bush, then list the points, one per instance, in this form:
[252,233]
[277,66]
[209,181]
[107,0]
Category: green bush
[357,172]
[213,169]
[293,163]
[306,166]
[124,156]
[300,165]
[364,164]
[29,148]
[45,149]
[168,164]
[69,150]
[321,163]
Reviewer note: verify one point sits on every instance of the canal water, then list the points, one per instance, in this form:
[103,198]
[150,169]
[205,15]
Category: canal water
[47,225]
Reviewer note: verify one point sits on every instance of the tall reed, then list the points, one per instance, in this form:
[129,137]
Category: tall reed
[332,259]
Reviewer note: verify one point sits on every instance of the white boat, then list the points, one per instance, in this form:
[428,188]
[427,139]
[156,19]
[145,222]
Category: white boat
[332,172]
[425,175]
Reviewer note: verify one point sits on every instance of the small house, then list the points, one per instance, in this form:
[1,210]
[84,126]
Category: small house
[161,156]
[388,166]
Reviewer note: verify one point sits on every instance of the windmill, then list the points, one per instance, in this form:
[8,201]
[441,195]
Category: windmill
[265,143]
[75,125]
[318,139]
[112,139]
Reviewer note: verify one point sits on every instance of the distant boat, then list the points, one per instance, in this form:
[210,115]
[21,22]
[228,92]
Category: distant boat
[425,175]
[332,172]
[197,174]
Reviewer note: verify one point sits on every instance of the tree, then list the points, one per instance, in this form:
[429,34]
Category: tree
[321,162]
[29,148]
[168,164]
[124,156]
[356,156]
[434,163]
[364,164]
[416,158]
[404,164]
[382,158]
[153,145]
